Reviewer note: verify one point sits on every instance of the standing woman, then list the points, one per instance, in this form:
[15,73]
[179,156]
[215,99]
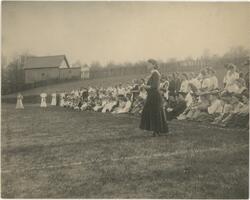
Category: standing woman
[19,103]
[43,100]
[153,116]
[53,99]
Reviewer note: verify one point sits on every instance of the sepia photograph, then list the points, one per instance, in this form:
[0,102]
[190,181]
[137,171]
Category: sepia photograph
[125,100]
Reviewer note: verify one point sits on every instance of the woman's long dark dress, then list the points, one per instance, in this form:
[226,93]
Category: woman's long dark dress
[153,116]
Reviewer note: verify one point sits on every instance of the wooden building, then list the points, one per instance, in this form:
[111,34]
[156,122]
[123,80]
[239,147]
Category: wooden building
[40,69]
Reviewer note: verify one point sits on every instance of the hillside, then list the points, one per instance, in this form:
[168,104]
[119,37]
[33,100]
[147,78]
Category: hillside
[104,82]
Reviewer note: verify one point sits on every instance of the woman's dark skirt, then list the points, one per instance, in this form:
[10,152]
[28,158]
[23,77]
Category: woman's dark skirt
[153,117]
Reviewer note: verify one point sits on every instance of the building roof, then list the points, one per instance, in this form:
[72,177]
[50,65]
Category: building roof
[45,62]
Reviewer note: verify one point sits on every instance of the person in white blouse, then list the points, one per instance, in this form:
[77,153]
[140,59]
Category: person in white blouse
[205,81]
[213,79]
[195,82]
[230,78]
[184,84]
[215,105]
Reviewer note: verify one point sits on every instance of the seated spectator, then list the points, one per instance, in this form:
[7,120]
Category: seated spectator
[213,80]
[206,84]
[189,107]
[246,78]
[184,83]
[164,88]
[172,86]
[195,84]
[230,78]
[199,108]
[237,107]
[174,112]
[124,105]
[138,104]
[109,106]
[240,86]
[227,107]
[214,109]
[98,105]
[241,77]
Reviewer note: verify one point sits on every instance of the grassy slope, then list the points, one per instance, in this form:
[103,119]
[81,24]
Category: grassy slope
[95,82]
[59,153]
[105,82]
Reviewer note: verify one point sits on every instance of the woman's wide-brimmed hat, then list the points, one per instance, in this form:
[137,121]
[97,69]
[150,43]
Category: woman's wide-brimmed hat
[153,62]
[231,66]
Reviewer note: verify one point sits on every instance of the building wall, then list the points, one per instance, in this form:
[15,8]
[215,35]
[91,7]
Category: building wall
[84,74]
[63,64]
[70,73]
[37,75]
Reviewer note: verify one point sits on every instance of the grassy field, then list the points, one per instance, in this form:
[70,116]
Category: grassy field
[61,153]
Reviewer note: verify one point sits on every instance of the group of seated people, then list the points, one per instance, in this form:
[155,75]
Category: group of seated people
[186,96]
[118,99]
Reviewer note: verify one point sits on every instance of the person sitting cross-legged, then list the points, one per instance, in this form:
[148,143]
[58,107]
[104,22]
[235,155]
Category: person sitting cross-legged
[199,108]
[227,107]
[178,108]
[213,110]
[240,115]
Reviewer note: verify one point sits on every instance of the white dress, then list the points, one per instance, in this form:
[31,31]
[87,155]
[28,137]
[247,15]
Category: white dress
[43,100]
[184,86]
[19,103]
[62,95]
[229,80]
[125,108]
[53,100]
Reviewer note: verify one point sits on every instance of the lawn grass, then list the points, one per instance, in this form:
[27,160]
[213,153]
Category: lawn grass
[61,153]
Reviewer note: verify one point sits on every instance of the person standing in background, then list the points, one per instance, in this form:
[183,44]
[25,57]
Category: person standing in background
[43,100]
[53,99]
[62,95]
[19,103]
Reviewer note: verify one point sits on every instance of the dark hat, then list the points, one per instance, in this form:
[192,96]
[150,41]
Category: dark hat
[202,93]
[245,93]
[226,94]
[231,66]
[153,62]
[182,93]
[215,92]
[238,96]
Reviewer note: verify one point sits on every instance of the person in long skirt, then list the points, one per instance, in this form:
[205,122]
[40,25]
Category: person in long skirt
[43,100]
[19,103]
[62,95]
[53,99]
[153,116]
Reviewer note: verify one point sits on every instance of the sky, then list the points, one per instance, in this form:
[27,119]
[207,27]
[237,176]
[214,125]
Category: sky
[123,31]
